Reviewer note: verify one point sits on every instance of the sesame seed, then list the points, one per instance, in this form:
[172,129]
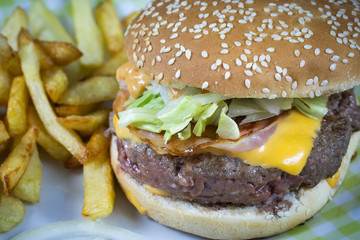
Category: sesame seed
[302,63]
[310,81]
[205,85]
[288,79]
[238,62]
[188,54]
[227,75]
[171,61]
[351,54]
[222,36]
[307,47]
[248,65]
[278,76]
[317,52]
[213,66]
[224,45]
[333,67]
[258,69]
[173,36]
[218,62]
[283,94]
[247,83]
[324,83]
[297,53]
[294,85]
[238,44]
[317,92]
[335,58]
[224,51]
[311,94]
[265,90]
[329,51]
[345,60]
[278,69]
[248,73]
[198,36]
[243,57]
[204,54]
[247,51]
[264,64]
[226,66]
[270,49]
[160,76]
[177,74]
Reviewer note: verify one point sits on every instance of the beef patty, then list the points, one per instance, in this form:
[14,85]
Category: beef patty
[211,179]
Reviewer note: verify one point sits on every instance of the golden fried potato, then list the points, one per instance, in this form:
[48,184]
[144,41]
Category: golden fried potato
[110,26]
[45,25]
[71,163]
[5,82]
[28,188]
[4,135]
[92,90]
[17,107]
[62,53]
[25,39]
[56,82]
[109,68]
[12,212]
[65,110]
[126,21]
[31,67]
[11,28]
[98,181]
[87,124]
[14,166]
[88,36]
[45,140]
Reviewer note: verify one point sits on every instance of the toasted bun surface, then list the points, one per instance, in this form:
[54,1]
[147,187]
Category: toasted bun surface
[231,222]
[258,49]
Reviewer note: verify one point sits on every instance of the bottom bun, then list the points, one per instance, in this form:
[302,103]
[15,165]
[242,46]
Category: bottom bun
[230,222]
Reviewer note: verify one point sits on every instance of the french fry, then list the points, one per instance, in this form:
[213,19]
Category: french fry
[31,68]
[109,68]
[98,182]
[28,188]
[95,146]
[45,25]
[62,53]
[68,110]
[5,82]
[126,21]
[17,107]
[12,212]
[4,135]
[9,60]
[24,39]
[14,166]
[4,146]
[56,82]
[17,20]
[110,26]
[45,140]
[86,124]
[88,35]
[92,90]
[71,163]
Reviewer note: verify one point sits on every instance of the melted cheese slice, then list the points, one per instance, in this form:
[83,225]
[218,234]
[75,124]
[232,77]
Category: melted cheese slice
[289,147]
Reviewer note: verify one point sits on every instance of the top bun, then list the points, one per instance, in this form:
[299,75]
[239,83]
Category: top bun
[259,49]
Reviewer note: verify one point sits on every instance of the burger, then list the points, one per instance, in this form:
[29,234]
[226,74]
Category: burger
[237,119]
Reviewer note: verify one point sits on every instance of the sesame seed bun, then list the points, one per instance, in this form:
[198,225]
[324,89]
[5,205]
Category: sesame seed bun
[231,222]
[257,49]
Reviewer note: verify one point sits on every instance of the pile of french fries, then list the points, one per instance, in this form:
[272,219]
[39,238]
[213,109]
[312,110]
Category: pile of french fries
[53,93]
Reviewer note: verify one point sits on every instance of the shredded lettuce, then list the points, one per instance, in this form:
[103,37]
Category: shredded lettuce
[312,107]
[154,111]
